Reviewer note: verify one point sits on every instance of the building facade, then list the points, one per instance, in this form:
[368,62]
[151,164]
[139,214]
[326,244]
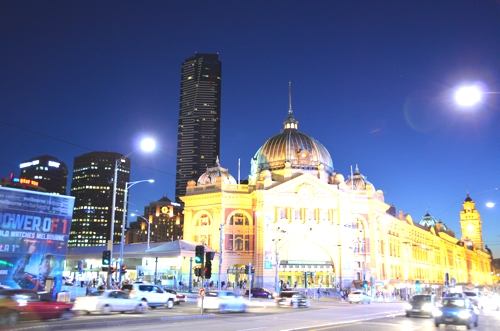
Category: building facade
[48,171]
[297,220]
[164,217]
[92,187]
[198,142]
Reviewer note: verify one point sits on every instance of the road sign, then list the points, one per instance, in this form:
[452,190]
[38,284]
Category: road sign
[201,292]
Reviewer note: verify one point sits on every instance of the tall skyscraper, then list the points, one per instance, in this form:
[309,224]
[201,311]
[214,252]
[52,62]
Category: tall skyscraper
[92,187]
[198,142]
[48,171]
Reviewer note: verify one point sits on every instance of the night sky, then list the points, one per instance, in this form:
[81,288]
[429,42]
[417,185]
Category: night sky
[371,80]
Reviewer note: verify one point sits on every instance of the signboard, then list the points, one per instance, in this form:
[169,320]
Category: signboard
[34,233]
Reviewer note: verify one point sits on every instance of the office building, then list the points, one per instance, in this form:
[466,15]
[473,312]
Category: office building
[198,142]
[48,171]
[92,187]
[165,218]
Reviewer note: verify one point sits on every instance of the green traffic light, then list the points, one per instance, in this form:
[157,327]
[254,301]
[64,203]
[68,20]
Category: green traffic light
[197,259]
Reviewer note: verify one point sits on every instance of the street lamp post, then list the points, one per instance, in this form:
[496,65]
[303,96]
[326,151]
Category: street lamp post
[149,226]
[128,185]
[276,240]
[146,145]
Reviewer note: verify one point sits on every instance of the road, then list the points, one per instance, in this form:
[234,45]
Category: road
[262,315]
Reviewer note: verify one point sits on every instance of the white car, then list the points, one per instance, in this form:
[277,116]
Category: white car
[109,301]
[476,298]
[153,295]
[359,297]
[223,301]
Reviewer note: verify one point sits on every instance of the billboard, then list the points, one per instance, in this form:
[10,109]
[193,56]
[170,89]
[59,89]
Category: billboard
[34,233]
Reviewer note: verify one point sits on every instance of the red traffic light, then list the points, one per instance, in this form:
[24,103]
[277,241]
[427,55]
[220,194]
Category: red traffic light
[112,270]
[124,269]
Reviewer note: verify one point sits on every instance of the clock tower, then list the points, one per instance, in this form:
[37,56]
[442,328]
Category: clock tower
[470,223]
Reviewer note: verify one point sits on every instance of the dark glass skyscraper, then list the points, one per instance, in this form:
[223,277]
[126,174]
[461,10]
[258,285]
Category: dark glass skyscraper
[48,171]
[92,187]
[198,142]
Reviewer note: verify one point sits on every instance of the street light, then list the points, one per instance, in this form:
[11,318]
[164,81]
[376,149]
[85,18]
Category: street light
[147,145]
[125,202]
[468,96]
[276,240]
[149,225]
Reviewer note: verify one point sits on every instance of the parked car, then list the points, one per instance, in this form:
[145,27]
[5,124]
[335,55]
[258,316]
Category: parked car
[32,305]
[179,297]
[456,311]
[359,297]
[421,304]
[292,299]
[8,314]
[107,301]
[153,295]
[476,298]
[261,292]
[223,301]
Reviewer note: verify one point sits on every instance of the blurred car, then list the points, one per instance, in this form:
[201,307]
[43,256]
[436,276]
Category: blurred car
[359,296]
[223,301]
[153,295]
[456,311]
[8,314]
[32,305]
[476,298]
[261,292]
[108,301]
[422,305]
[179,297]
[292,299]
[456,295]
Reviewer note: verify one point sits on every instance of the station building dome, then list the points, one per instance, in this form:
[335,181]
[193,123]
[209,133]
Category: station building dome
[293,149]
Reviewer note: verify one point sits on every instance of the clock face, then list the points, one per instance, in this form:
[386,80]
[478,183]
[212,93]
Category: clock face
[470,228]
[164,209]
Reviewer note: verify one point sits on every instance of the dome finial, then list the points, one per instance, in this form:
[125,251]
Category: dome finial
[291,123]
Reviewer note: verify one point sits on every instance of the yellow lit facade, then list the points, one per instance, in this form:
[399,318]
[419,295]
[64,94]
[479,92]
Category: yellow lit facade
[297,213]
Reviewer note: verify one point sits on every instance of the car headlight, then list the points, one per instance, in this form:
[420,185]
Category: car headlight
[407,306]
[464,314]
[437,313]
[427,307]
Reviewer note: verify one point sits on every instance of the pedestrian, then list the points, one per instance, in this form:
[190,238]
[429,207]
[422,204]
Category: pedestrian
[295,286]
[319,293]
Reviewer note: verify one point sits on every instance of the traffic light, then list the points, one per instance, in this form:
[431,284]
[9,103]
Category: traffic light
[252,271]
[197,272]
[208,266]
[104,268]
[124,269]
[246,269]
[365,284]
[112,270]
[106,258]
[417,286]
[199,252]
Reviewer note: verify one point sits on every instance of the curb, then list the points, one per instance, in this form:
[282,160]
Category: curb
[114,323]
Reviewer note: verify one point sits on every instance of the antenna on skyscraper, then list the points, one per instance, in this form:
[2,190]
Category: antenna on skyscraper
[290,98]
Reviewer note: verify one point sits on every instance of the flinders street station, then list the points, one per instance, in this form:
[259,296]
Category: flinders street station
[297,220]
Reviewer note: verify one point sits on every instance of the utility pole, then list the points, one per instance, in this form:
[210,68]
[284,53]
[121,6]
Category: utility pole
[220,255]
[190,288]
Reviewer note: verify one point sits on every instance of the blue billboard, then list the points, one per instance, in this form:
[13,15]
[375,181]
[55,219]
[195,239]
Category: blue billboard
[34,233]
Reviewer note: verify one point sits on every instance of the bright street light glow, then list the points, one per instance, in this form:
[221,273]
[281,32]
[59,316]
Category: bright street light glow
[490,204]
[148,145]
[467,96]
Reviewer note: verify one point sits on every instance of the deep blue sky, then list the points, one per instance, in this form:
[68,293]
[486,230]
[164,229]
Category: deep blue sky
[372,81]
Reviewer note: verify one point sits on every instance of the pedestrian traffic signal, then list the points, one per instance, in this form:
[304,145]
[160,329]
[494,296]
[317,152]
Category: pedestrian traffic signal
[112,270]
[106,258]
[124,269]
[199,252]
[208,269]
[104,268]
[365,284]
[252,271]
[197,272]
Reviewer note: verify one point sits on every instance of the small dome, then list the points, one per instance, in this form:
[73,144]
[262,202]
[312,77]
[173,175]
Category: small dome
[357,181]
[211,175]
[427,220]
